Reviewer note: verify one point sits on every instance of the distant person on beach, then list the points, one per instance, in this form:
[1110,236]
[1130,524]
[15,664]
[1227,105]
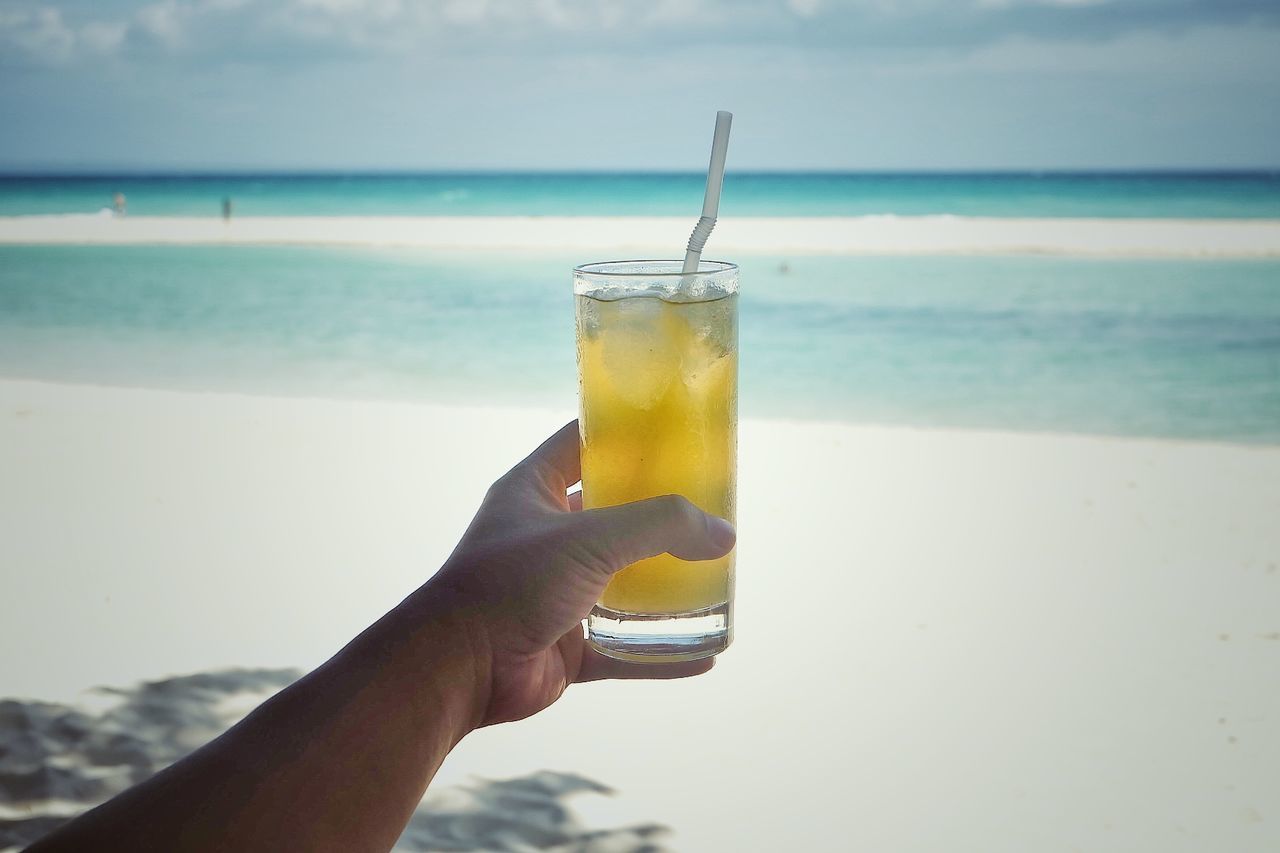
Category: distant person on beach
[226,208]
[340,759]
[119,204]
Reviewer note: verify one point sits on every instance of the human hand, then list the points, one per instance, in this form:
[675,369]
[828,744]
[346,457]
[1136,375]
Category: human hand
[532,564]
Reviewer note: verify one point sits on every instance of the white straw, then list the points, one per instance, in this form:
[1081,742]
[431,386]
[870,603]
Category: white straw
[711,201]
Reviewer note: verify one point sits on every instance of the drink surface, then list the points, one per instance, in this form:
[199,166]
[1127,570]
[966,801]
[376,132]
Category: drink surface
[659,395]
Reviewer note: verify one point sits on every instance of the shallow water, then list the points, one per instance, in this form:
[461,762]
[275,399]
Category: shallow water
[1187,349]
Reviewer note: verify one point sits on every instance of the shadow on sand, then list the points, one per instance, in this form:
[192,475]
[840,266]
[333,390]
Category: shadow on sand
[57,761]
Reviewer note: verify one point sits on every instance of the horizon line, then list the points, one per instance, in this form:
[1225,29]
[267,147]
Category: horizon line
[1189,171]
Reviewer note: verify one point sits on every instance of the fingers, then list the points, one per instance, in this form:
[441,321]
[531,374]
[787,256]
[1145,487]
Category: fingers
[668,524]
[596,666]
[556,461]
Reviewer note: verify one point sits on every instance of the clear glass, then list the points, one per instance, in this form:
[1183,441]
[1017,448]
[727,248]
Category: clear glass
[658,394]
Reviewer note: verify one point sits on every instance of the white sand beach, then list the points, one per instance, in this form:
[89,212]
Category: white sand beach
[946,640]
[870,235]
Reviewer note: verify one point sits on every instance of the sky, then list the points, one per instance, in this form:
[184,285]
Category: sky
[625,85]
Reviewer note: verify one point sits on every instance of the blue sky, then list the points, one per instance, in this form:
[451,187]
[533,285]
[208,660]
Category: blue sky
[625,85]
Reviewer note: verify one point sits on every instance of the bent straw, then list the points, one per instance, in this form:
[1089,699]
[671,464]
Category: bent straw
[711,201]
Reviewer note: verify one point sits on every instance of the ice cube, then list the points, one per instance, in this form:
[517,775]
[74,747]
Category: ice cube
[640,355]
[706,369]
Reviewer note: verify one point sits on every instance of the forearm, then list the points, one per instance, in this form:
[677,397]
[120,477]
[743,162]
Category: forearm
[339,760]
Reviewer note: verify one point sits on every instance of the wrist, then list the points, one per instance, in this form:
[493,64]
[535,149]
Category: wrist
[452,650]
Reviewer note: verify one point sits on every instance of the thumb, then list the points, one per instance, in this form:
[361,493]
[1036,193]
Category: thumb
[668,524]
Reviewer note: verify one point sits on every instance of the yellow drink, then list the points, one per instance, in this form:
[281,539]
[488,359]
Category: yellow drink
[659,394]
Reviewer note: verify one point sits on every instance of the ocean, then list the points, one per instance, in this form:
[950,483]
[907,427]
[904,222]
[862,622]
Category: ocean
[1211,195]
[1186,349]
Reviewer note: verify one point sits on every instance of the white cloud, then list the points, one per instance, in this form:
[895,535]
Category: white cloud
[379,9]
[553,12]
[677,11]
[465,11]
[164,22]
[804,8]
[40,33]
[314,31]
[176,25]
[1134,56]
[44,35]
[103,38]
[1007,4]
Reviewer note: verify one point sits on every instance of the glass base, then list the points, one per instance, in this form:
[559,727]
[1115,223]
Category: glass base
[660,638]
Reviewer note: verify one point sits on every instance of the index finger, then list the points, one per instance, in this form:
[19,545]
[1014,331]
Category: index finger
[557,461]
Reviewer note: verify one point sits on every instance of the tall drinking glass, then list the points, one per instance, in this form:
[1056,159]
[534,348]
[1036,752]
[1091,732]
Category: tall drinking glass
[658,389]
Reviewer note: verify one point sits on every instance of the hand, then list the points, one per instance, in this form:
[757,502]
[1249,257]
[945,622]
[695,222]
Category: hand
[532,564]
[495,635]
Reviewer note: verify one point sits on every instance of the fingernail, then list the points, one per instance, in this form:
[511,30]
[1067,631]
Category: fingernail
[721,532]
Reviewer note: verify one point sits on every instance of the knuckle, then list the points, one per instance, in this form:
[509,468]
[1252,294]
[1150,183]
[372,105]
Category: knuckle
[680,511]
[495,491]
[507,483]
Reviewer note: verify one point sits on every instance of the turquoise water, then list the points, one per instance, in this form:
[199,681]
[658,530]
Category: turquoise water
[1188,195]
[1137,347]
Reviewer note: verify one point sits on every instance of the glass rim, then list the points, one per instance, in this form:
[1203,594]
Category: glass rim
[590,268]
